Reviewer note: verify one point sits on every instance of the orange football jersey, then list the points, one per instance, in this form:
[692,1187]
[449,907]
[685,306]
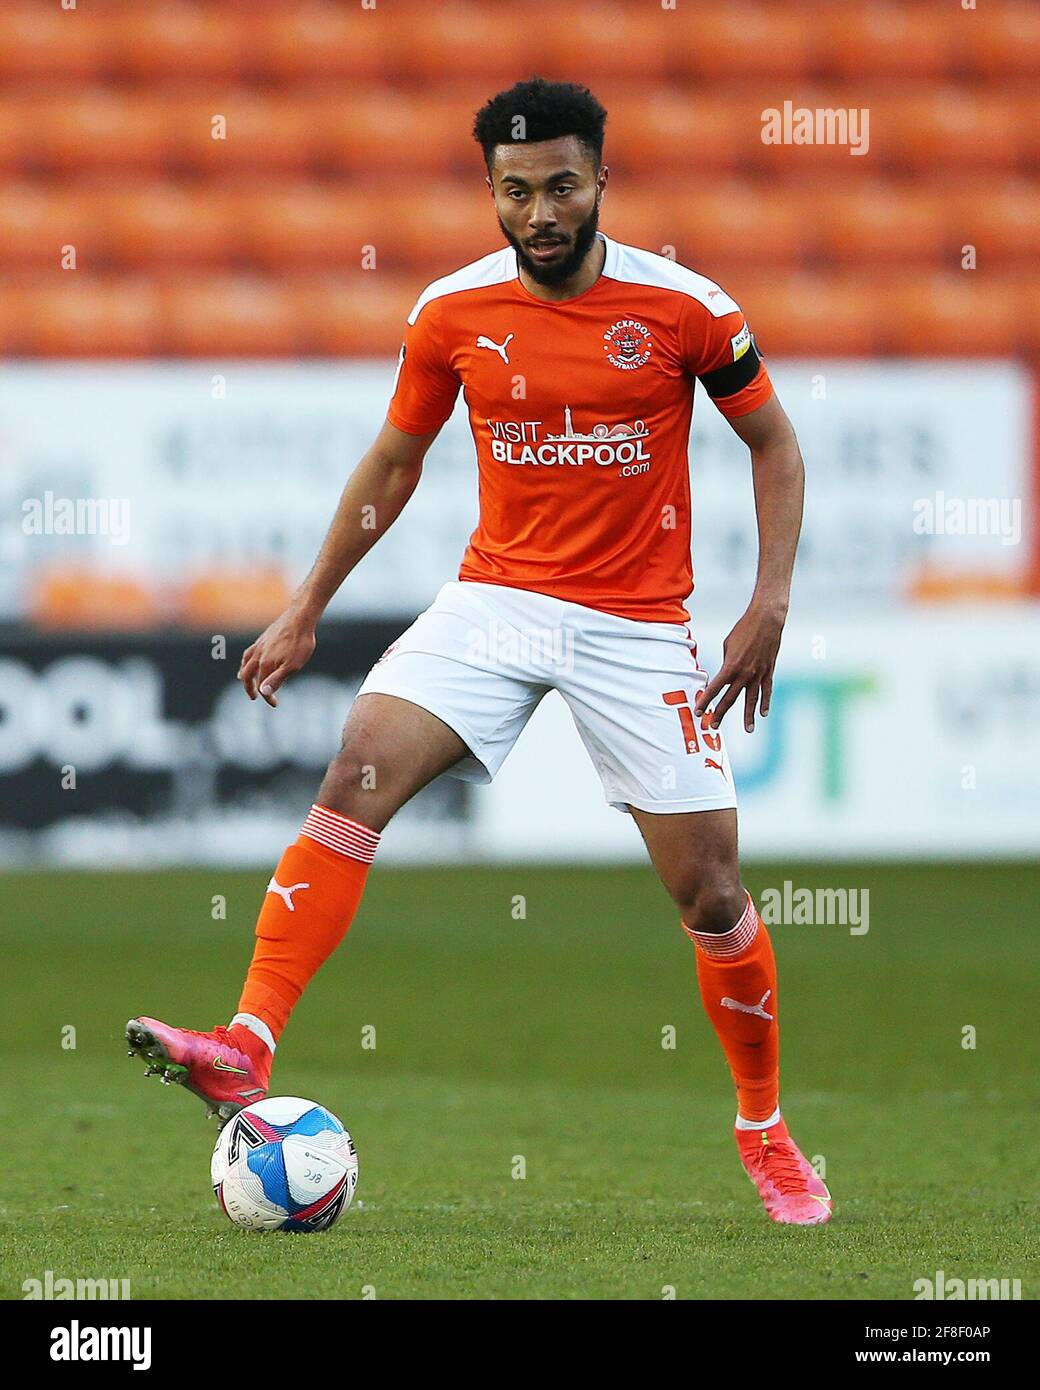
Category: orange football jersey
[580,412]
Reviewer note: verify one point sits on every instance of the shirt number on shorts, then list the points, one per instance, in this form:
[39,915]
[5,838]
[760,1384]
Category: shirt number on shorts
[681,701]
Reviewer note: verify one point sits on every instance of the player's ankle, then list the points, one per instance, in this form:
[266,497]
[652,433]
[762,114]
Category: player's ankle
[253,1035]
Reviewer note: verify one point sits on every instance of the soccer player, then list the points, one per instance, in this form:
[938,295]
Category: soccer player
[579,357]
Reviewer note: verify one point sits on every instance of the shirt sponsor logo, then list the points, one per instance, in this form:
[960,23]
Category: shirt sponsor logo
[740,343]
[523,442]
[627,344]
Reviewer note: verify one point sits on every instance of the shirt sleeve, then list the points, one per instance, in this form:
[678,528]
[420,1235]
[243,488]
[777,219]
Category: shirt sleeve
[425,387]
[721,352]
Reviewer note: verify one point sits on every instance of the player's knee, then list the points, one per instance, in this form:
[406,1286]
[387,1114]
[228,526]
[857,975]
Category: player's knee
[352,787]
[711,902]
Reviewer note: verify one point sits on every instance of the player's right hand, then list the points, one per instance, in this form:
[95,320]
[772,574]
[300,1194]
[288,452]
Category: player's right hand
[278,653]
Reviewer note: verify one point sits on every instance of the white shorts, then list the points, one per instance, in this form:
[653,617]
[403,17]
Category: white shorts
[483,656]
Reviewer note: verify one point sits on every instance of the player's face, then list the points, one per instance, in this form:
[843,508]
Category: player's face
[547,199]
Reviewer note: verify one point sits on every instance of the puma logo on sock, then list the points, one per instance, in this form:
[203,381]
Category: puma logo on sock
[285,893]
[756,1009]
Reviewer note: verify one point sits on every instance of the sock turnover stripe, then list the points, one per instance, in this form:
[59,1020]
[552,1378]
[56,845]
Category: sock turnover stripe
[340,833]
[726,945]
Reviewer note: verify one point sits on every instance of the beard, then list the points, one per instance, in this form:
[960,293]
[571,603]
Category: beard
[571,261]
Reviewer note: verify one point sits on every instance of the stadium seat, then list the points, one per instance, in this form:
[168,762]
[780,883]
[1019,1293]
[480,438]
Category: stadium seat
[953,313]
[678,131]
[437,42]
[433,228]
[232,316]
[754,222]
[1004,40]
[231,599]
[67,596]
[177,38]
[37,220]
[642,213]
[1001,219]
[888,40]
[312,224]
[299,42]
[382,132]
[78,314]
[880,222]
[38,42]
[357,315]
[601,41]
[949,126]
[96,128]
[170,223]
[720,43]
[254,131]
[809,315]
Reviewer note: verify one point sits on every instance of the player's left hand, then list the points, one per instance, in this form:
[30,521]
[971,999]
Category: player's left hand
[748,658]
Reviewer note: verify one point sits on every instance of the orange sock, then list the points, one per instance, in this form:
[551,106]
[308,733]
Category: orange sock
[310,903]
[737,976]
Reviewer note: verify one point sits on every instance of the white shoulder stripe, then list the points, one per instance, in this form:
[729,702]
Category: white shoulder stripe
[635,266]
[494,269]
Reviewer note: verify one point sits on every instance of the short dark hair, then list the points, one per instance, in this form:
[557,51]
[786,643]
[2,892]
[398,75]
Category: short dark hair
[549,110]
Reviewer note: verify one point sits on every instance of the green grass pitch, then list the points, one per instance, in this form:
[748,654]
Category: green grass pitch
[538,1038]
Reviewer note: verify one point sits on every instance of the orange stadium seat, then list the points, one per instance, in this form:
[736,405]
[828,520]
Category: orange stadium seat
[96,128]
[803,314]
[62,45]
[755,223]
[464,40]
[232,598]
[881,222]
[742,41]
[682,132]
[75,596]
[586,43]
[177,39]
[1000,219]
[232,316]
[951,313]
[76,314]
[239,128]
[889,40]
[19,136]
[643,214]
[13,338]
[436,229]
[312,223]
[1005,40]
[310,40]
[1028,291]
[165,222]
[380,131]
[1029,132]
[37,220]
[360,315]
[949,126]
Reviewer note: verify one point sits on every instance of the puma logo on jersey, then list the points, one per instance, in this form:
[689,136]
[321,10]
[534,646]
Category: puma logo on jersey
[500,348]
[756,1009]
[285,893]
[710,762]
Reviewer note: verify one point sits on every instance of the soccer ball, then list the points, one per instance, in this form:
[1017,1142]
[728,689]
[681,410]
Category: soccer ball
[284,1164]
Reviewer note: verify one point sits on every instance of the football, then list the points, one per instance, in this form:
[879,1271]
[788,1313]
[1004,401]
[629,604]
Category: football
[284,1164]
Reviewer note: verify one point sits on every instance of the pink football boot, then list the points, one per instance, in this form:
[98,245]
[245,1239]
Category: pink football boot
[228,1068]
[786,1181]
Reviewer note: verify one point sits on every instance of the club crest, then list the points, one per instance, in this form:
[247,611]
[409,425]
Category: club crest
[627,344]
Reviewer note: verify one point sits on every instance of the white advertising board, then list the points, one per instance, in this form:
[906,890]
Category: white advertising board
[241,465]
